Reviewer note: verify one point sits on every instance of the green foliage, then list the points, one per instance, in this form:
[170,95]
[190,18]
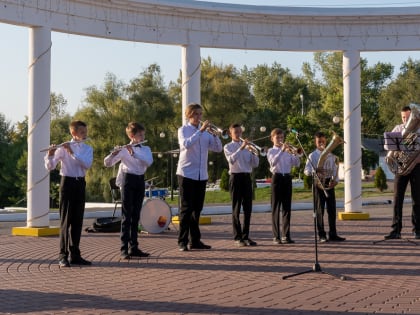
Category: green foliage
[369,160]
[224,180]
[267,95]
[380,179]
[307,181]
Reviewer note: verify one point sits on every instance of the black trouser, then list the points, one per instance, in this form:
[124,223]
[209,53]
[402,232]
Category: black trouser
[400,186]
[192,193]
[72,208]
[281,197]
[240,188]
[132,195]
[320,200]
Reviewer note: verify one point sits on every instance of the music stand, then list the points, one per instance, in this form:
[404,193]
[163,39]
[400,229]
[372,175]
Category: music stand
[316,266]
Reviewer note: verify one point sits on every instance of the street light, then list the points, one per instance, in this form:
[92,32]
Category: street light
[301,101]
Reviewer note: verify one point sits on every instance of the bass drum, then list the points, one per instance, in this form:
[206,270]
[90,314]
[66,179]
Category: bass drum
[155,215]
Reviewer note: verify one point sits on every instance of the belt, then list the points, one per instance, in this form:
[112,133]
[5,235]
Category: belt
[75,178]
[282,174]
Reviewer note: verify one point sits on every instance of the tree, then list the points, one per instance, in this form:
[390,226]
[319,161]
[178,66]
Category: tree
[110,108]
[380,179]
[369,160]
[402,91]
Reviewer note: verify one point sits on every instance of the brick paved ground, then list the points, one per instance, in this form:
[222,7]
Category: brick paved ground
[381,279]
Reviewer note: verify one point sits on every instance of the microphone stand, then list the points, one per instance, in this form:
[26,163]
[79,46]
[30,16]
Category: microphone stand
[316,266]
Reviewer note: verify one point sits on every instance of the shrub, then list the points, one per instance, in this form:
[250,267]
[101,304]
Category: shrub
[380,179]
[224,180]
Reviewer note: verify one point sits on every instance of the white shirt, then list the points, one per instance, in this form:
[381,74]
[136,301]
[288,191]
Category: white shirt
[330,164]
[240,161]
[136,164]
[74,165]
[281,161]
[193,151]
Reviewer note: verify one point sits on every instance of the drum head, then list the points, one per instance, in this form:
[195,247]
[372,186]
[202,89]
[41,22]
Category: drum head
[155,215]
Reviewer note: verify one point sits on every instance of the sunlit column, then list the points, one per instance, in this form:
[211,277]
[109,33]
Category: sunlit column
[191,71]
[352,132]
[39,76]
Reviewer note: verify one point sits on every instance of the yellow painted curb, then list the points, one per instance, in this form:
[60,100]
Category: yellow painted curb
[353,216]
[36,231]
[203,220]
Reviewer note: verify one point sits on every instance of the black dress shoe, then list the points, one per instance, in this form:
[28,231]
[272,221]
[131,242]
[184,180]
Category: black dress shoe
[336,238]
[183,247]
[417,236]
[135,252]
[392,236]
[124,255]
[276,241]
[286,240]
[200,245]
[80,261]
[240,243]
[249,242]
[323,239]
[63,263]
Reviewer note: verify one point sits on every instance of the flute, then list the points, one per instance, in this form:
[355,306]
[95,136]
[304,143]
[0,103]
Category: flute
[52,147]
[120,147]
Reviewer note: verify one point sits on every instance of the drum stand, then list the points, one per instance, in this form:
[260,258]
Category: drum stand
[316,267]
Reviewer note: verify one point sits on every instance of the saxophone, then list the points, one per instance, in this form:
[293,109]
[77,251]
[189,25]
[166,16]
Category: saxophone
[325,171]
[402,162]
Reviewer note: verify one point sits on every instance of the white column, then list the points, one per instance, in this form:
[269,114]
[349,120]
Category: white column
[191,72]
[39,75]
[352,132]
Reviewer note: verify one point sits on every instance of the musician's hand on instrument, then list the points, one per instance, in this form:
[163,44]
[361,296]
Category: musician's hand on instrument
[129,149]
[67,147]
[52,149]
[333,183]
[245,143]
[204,126]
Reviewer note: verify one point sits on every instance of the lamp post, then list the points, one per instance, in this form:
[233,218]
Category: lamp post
[301,101]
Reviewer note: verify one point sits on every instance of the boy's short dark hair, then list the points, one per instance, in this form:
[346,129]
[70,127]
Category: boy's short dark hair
[320,134]
[75,124]
[133,127]
[276,131]
[191,108]
[406,109]
[234,125]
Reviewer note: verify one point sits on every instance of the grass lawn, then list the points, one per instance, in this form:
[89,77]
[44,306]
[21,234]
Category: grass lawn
[301,194]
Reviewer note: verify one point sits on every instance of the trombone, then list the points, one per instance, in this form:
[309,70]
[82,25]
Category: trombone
[118,148]
[54,147]
[216,131]
[254,149]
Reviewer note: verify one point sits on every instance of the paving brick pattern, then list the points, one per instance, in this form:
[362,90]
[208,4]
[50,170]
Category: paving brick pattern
[382,278]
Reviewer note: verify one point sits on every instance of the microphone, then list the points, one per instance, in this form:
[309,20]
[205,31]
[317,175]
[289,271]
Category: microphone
[293,130]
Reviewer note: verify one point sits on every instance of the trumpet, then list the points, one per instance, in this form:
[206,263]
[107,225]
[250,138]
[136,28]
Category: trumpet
[292,150]
[216,131]
[118,148]
[254,149]
[54,147]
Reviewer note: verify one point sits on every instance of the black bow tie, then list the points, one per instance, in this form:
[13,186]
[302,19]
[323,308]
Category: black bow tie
[137,146]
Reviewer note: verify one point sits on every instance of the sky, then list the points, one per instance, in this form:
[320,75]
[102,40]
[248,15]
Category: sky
[77,65]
